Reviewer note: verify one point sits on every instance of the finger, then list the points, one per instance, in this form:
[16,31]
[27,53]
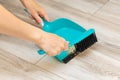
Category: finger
[59,50]
[44,15]
[66,45]
[37,18]
[52,53]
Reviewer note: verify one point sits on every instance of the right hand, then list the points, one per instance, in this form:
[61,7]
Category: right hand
[52,44]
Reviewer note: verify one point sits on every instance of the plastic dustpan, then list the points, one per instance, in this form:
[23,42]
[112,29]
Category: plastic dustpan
[78,37]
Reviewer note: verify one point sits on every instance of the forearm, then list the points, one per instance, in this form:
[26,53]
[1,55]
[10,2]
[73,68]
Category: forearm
[11,25]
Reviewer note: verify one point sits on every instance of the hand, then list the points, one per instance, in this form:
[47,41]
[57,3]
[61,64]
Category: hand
[52,44]
[35,10]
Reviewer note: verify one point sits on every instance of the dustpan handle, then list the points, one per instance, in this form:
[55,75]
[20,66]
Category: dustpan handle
[41,52]
[44,22]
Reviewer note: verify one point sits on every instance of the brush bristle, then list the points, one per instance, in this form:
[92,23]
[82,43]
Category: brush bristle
[81,46]
[86,43]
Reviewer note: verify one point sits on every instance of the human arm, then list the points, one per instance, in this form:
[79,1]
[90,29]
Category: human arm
[11,25]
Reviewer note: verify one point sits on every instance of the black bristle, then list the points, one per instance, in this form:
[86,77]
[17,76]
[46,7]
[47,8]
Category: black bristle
[81,46]
[86,43]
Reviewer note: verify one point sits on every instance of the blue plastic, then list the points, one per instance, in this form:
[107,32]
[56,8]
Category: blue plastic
[67,29]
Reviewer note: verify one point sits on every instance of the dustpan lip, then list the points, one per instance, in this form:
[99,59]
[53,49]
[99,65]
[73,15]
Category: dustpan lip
[63,19]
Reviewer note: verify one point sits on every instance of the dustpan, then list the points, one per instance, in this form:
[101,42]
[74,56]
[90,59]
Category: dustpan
[79,38]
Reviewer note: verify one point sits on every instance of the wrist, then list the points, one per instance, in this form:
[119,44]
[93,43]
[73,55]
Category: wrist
[36,35]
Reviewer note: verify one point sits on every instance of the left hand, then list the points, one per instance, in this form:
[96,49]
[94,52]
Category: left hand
[35,10]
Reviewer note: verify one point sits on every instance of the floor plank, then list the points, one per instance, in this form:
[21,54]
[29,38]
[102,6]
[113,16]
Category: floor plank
[23,49]
[14,68]
[91,64]
[115,1]
[81,5]
[110,12]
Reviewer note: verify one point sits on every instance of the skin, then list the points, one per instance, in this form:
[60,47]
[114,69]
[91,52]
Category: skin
[35,10]
[50,43]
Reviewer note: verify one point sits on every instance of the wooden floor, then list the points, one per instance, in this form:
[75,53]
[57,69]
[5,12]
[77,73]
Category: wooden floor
[20,61]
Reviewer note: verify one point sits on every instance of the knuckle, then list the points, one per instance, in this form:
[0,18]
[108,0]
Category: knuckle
[34,13]
[62,45]
[52,53]
[58,49]
[42,13]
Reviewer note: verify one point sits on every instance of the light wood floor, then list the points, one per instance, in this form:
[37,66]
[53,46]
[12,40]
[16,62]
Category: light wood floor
[20,61]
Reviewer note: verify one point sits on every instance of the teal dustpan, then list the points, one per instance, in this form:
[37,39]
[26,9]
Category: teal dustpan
[79,38]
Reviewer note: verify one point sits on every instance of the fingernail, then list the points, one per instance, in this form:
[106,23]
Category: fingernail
[41,24]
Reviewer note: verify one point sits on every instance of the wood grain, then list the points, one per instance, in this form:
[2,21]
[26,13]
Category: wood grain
[110,12]
[81,5]
[14,68]
[20,48]
[19,60]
